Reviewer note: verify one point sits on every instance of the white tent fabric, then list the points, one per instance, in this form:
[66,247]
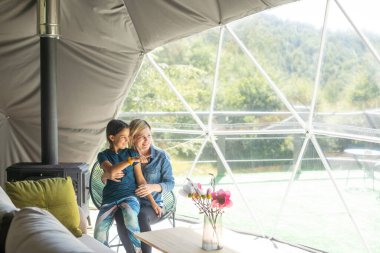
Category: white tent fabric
[100,50]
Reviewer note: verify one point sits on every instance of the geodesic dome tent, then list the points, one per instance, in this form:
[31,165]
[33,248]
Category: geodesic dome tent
[312,193]
[100,49]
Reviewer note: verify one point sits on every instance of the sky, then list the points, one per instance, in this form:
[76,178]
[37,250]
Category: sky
[364,13]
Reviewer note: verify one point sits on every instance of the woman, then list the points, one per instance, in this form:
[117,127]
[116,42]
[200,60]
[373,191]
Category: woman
[158,174]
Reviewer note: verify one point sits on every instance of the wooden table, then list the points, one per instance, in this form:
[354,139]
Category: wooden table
[177,240]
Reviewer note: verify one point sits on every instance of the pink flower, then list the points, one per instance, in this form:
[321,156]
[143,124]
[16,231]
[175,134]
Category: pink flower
[208,201]
[200,190]
[221,199]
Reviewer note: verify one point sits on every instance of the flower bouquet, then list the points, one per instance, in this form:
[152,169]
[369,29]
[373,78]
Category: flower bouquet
[211,203]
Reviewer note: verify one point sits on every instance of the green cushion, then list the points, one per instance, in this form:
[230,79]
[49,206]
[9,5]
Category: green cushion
[55,195]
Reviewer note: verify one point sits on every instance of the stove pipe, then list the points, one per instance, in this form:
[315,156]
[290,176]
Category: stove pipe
[48,29]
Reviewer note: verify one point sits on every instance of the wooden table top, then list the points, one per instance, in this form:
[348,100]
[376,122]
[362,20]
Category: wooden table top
[177,240]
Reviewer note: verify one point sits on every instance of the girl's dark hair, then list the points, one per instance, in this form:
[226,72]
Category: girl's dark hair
[114,127]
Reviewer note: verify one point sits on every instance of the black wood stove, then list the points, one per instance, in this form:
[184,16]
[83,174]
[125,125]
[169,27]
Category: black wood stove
[78,172]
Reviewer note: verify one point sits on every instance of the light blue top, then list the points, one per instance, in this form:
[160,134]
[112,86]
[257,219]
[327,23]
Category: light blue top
[158,171]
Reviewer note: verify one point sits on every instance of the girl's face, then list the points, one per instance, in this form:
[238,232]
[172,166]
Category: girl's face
[120,140]
[143,140]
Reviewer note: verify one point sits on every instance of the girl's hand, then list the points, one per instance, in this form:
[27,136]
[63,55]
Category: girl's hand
[144,159]
[157,209]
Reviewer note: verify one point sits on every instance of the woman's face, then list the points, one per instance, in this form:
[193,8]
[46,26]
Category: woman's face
[143,140]
[120,140]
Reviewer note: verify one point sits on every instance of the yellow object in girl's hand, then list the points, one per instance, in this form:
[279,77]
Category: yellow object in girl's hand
[130,160]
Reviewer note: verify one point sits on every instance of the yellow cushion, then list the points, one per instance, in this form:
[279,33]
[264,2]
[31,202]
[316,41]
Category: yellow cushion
[55,195]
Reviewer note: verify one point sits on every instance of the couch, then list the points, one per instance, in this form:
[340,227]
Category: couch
[43,217]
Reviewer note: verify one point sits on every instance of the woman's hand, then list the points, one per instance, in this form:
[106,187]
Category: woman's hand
[104,178]
[144,190]
[157,209]
[114,176]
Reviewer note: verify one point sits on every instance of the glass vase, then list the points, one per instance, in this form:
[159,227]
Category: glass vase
[212,233]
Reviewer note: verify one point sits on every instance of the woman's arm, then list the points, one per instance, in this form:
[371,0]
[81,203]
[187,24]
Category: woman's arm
[166,179]
[141,181]
[145,189]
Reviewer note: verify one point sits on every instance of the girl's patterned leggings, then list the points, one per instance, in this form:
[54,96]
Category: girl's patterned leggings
[130,208]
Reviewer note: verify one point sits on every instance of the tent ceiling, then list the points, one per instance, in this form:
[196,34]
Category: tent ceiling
[100,50]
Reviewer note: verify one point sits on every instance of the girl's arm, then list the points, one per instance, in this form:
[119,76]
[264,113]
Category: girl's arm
[114,172]
[141,181]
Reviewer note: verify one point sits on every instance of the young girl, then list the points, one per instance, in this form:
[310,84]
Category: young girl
[120,193]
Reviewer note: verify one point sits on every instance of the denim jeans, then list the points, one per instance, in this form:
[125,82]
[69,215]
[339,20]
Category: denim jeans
[146,217]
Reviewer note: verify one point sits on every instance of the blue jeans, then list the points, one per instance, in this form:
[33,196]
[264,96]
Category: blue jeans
[129,208]
[146,217]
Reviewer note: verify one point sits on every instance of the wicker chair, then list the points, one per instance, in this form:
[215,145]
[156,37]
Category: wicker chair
[96,193]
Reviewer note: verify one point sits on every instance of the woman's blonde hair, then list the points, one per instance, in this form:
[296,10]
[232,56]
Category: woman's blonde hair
[135,128]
